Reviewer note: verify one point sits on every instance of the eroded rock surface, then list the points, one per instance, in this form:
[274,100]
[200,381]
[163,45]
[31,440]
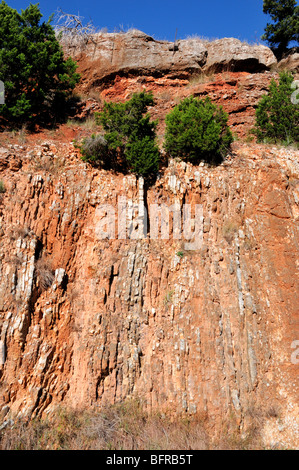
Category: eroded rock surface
[89,318]
[234,55]
[86,319]
[109,54]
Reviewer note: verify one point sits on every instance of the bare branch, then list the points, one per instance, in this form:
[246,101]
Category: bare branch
[72,31]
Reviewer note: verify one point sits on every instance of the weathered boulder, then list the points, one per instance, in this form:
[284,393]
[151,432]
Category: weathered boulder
[136,52]
[108,55]
[290,63]
[234,55]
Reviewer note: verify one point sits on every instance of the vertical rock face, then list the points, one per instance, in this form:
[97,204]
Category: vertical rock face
[92,311]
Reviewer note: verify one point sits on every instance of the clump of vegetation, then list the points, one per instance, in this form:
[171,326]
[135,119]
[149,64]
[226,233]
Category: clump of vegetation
[44,273]
[130,134]
[124,426]
[129,140]
[94,149]
[127,426]
[37,78]
[277,114]
[229,229]
[168,297]
[201,78]
[18,232]
[95,95]
[142,156]
[2,187]
[180,254]
[197,130]
[72,30]
[87,123]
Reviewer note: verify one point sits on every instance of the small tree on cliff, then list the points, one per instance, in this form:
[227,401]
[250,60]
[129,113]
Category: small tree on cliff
[285,27]
[277,114]
[36,77]
[129,136]
[197,130]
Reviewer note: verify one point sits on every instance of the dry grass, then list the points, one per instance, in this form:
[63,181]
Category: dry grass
[51,165]
[95,95]
[88,123]
[201,78]
[92,93]
[120,427]
[15,261]
[229,229]
[44,273]
[22,135]
[127,426]
[168,298]
[293,180]
[18,231]
[165,96]
[2,187]
[19,136]
[203,39]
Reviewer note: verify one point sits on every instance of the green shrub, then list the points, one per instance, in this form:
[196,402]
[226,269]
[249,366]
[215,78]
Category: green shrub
[36,77]
[277,117]
[197,130]
[143,156]
[2,187]
[130,135]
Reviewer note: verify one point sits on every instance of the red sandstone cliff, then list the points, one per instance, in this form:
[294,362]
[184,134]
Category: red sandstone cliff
[87,320]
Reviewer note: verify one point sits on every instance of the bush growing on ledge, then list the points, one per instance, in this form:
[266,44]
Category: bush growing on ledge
[143,156]
[130,135]
[277,114]
[197,130]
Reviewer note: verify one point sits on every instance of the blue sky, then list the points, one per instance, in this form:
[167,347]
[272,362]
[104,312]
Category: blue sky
[242,19]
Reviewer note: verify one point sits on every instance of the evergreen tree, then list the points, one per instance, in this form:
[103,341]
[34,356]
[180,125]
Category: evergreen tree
[277,117]
[285,27]
[36,77]
[197,130]
[129,135]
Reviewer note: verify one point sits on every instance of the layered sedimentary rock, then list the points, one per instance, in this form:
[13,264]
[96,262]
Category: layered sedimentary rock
[232,73]
[109,54]
[137,53]
[91,316]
